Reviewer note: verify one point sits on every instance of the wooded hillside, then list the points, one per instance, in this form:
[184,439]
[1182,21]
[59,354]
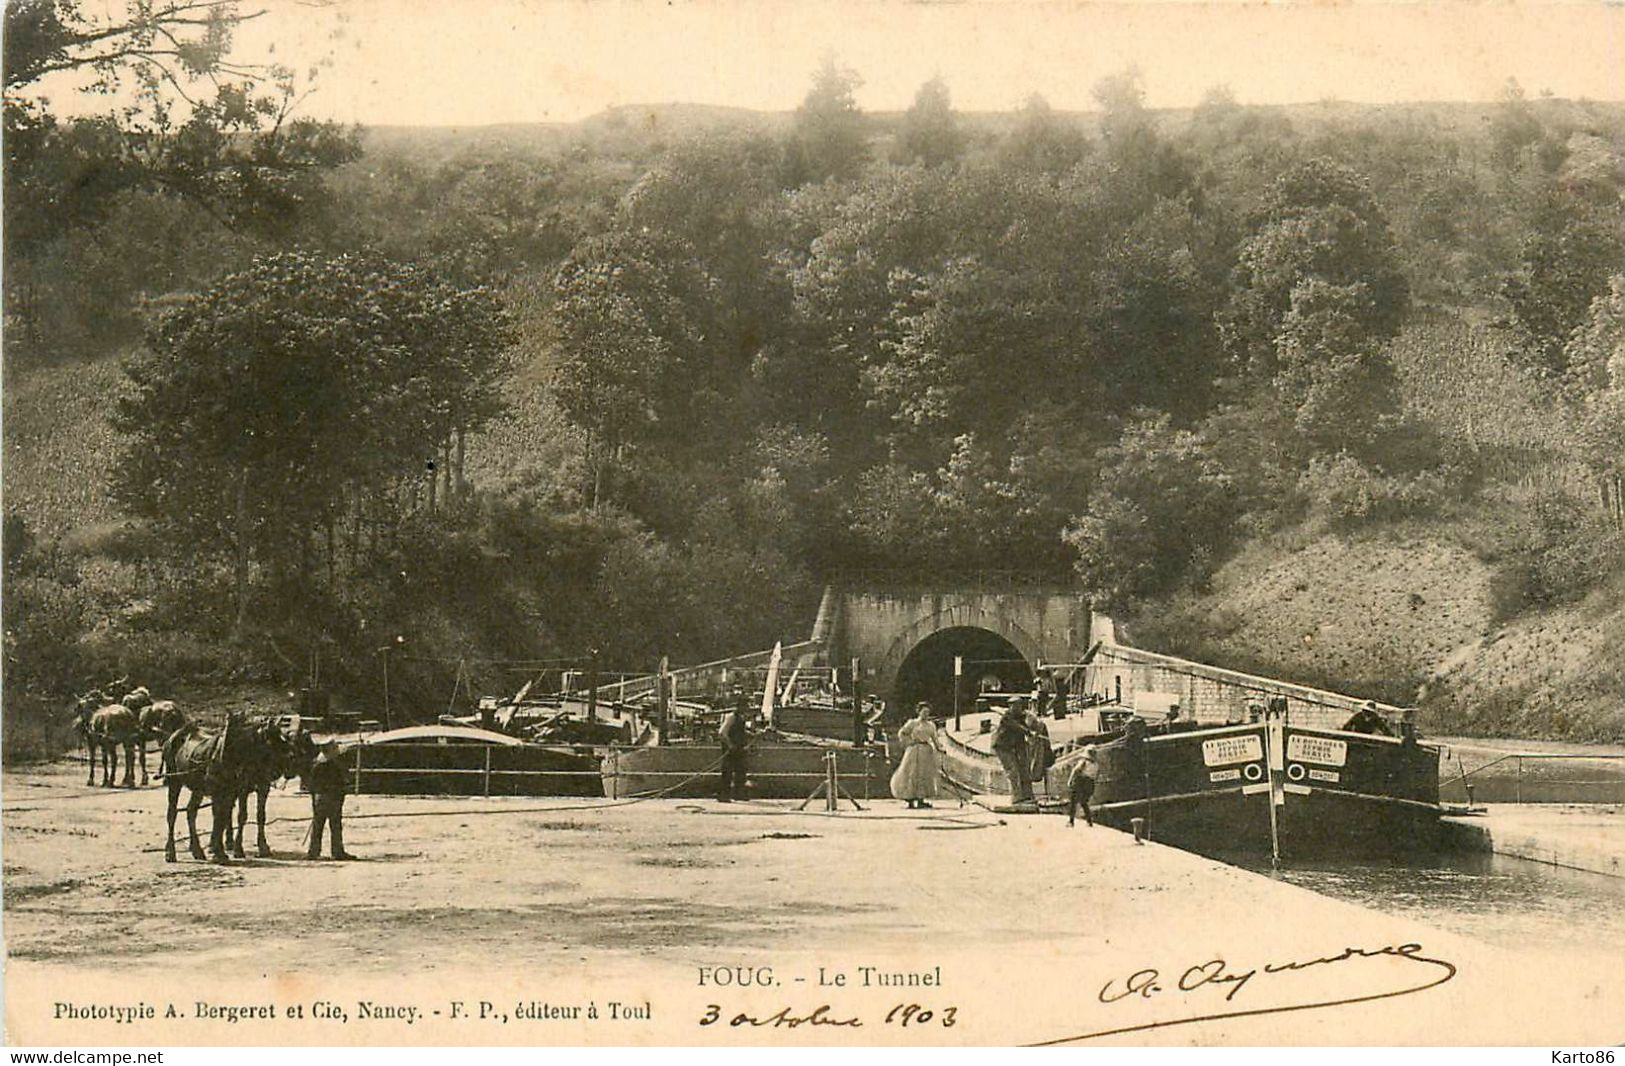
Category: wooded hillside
[643,383]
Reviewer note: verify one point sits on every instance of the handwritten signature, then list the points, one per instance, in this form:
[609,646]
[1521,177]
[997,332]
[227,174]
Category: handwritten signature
[1149,983]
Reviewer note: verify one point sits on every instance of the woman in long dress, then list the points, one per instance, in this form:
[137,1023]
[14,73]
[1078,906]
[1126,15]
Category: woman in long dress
[916,776]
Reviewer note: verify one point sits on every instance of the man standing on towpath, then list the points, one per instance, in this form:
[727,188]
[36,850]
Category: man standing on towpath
[735,737]
[1010,741]
[327,783]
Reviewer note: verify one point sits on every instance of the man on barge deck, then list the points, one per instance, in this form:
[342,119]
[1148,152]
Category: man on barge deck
[1368,720]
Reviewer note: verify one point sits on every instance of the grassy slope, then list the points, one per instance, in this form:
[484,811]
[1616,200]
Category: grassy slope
[1366,616]
[1405,617]
[59,448]
[1555,675]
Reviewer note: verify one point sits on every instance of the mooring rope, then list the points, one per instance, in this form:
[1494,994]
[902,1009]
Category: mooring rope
[934,821]
[469,812]
[734,811]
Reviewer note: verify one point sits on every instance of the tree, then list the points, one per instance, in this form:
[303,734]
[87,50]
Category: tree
[937,371]
[1152,313]
[490,218]
[192,124]
[719,199]
[46,610]
[1568,255]
[1043,141]
[828,140]
[1137,166]
[176,41]
[1121,98]
[294,390]
[1161,512]
[633,314]
[1515,126]
[1338,382]
[893,518]
[1319,294]
[929,132]
[1596,360]
[854,242]
[1318,223]
[196,123]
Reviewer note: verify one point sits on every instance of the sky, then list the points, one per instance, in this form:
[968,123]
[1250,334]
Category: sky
[472,62]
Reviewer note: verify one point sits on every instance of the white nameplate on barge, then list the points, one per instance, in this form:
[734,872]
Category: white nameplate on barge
[1323,750]
[1220,751]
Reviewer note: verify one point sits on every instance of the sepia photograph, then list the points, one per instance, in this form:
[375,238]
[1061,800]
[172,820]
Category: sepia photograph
[745,523]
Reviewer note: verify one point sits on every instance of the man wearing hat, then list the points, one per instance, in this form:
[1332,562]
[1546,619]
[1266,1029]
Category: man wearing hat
[1010,741]
[327,782]
[1083,787]
[1063,691]
[734,734]
[1368,720]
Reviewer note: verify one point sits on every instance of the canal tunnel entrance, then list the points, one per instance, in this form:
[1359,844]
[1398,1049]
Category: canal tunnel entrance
[927,672]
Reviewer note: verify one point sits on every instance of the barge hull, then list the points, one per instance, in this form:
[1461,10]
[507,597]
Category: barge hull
[1210,790]
[470,770]
[692,771]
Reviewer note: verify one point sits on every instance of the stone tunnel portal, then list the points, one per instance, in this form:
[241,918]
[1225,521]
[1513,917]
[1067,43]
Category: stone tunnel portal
[927,672]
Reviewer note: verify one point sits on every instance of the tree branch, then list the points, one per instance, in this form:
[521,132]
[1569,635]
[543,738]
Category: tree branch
[133,51]
[139,30]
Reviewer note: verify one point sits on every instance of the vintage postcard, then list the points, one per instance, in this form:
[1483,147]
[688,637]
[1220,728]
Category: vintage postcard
[547,523]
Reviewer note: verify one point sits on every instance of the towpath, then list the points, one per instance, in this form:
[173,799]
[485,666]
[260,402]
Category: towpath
[1036,932]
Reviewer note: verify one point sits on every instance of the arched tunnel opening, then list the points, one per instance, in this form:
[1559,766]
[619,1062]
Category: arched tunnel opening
[927,673]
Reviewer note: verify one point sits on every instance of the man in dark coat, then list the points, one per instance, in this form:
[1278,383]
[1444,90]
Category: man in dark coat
[1043,689]
[1368,720]
[735,737]
[1010,744]
[327,781]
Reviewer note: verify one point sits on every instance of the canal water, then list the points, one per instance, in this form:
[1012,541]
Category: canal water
[1510,903]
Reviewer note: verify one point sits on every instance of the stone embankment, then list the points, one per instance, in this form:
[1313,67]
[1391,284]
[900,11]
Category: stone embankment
[1581,837]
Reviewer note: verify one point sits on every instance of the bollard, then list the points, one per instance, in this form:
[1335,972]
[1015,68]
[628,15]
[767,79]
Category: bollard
[1139,829]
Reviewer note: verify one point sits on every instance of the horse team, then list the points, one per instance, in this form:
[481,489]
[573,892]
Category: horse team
[106,725]
[226,764]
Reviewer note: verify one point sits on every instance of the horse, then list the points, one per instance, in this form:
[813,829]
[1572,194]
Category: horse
[276,756]
[224,764]
[159,719]
[206,761]
[83,707]
[107,729]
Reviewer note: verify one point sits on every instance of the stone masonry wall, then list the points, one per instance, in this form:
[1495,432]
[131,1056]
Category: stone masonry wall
[1213,695]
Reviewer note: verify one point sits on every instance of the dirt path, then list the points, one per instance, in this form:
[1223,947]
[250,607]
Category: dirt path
[519,901]
[85,875]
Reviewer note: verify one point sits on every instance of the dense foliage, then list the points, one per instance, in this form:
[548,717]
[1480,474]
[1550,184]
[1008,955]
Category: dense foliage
[296,397]
[193,160]
[698,374]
